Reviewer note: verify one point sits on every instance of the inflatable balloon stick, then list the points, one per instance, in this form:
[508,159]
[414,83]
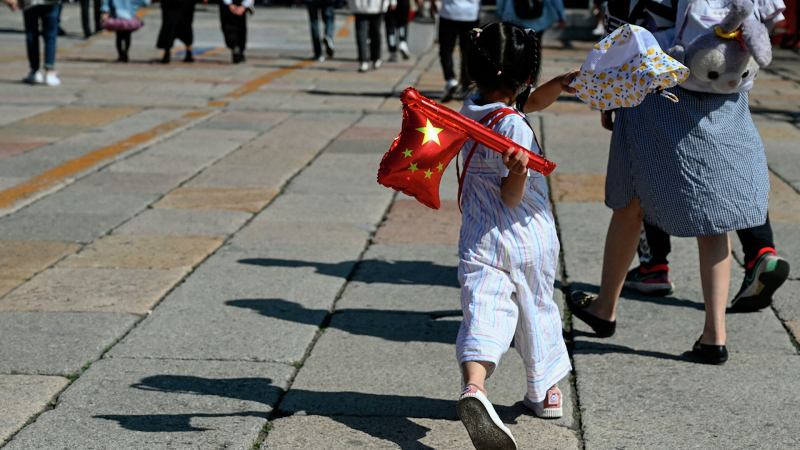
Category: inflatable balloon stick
[431,137]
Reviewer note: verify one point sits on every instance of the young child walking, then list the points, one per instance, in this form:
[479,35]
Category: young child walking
[124,22]
[508,245]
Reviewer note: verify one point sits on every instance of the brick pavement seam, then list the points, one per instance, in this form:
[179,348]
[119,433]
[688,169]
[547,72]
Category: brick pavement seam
[565,289]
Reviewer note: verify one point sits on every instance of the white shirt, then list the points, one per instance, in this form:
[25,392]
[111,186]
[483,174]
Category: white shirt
[461,10]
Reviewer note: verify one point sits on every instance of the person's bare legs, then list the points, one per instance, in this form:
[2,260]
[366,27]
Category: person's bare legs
[474,373]
[715,276]
[621,243]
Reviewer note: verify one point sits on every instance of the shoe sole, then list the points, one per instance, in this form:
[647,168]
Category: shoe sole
[543,413]
[769,282]
[485,434]
[655,290]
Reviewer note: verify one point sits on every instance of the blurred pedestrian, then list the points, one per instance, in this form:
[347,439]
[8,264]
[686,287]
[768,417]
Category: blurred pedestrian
[327,8]
[176,22]
[120,16]
[552,12]
[457,18]
[397,30]
[369,15]
[600,11]
[233,17]
[46,12]
[85,19]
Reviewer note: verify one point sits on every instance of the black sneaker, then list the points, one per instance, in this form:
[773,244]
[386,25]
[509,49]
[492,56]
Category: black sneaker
[653,281]
[761,281]
[577,301]
[327,42]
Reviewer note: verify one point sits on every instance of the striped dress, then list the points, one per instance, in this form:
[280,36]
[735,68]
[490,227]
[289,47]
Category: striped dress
[509,259]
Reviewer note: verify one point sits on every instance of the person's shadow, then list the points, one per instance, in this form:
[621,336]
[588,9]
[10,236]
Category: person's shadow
[391,325]
[374,270]
[355,410]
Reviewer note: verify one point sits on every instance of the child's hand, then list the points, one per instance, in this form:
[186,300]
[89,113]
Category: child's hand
[606,120]
[516,161]
[12,4]
[568,78]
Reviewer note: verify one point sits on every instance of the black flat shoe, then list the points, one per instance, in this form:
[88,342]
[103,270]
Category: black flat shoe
[710,354]
[189,58]
[577,302]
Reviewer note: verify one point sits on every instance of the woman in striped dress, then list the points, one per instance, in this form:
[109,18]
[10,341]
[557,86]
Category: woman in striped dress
[508,245]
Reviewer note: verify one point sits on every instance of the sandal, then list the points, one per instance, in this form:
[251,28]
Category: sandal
[577,302]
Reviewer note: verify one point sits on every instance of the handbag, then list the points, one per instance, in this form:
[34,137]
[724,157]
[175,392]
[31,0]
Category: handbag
[118,24]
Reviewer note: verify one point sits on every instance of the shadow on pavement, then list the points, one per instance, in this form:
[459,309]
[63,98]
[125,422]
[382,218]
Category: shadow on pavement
[632,295]
[375,271]
[595,348]
[391,325]
[355,410]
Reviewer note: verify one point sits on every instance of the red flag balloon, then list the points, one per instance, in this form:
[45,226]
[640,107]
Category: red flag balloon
[418,157]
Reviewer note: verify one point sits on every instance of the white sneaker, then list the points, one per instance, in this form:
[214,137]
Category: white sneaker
[482,422]
[34,77]
[449,90]
[321,59]
[51,78]
[377,64]
[403,47]
[599,30]
[363,66]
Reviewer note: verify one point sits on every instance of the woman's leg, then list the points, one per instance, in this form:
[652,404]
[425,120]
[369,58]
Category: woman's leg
[120,46]
[715,275]
[448,33]
[362,31]
[31,17]
[375,36]
[313,22]
[50,33]
[621,243]
[391,30]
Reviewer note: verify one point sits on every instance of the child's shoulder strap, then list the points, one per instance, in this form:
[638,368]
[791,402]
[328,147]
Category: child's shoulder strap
[489,121]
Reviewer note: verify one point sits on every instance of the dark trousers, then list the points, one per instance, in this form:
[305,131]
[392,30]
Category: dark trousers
[176,22]
[449,31]
[397,24]
[368,36]
[85,21]
[48,14]
[654,246]
[123,43]
[328,16]
[234,27]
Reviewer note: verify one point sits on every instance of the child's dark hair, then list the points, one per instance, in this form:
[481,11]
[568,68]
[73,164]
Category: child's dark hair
[502,56]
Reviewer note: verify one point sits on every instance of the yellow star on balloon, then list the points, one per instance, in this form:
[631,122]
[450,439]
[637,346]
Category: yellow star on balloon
[407,153]
[413,167]
[440,167]
[428,173]
[431,133]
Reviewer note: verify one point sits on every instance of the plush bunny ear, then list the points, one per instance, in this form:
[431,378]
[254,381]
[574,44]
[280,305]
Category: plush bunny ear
[756,37]
[739,12]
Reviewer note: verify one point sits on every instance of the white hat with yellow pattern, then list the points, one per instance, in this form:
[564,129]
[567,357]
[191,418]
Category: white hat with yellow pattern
[624,67]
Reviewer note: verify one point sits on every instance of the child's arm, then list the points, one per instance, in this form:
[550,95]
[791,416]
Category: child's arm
[12,4]
[546,94]
[512,187]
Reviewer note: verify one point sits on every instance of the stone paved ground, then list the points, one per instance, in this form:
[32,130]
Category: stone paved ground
[198,256]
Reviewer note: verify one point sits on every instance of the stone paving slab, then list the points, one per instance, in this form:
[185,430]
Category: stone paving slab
[23,259]
[81,116]
[169,165]
[69,227]
[57,343]
[391,433]
[628,402]
[22,396]
[577,187]
[363,210]
[14,113]
[361,146]
[91,203]
[234,305]
[93,290]
[160,404]
[577,145]
[410,222]
[241,199]
[266,233]
[338,174]
[109,182]
[185,222]
[144,252]
[199,142]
